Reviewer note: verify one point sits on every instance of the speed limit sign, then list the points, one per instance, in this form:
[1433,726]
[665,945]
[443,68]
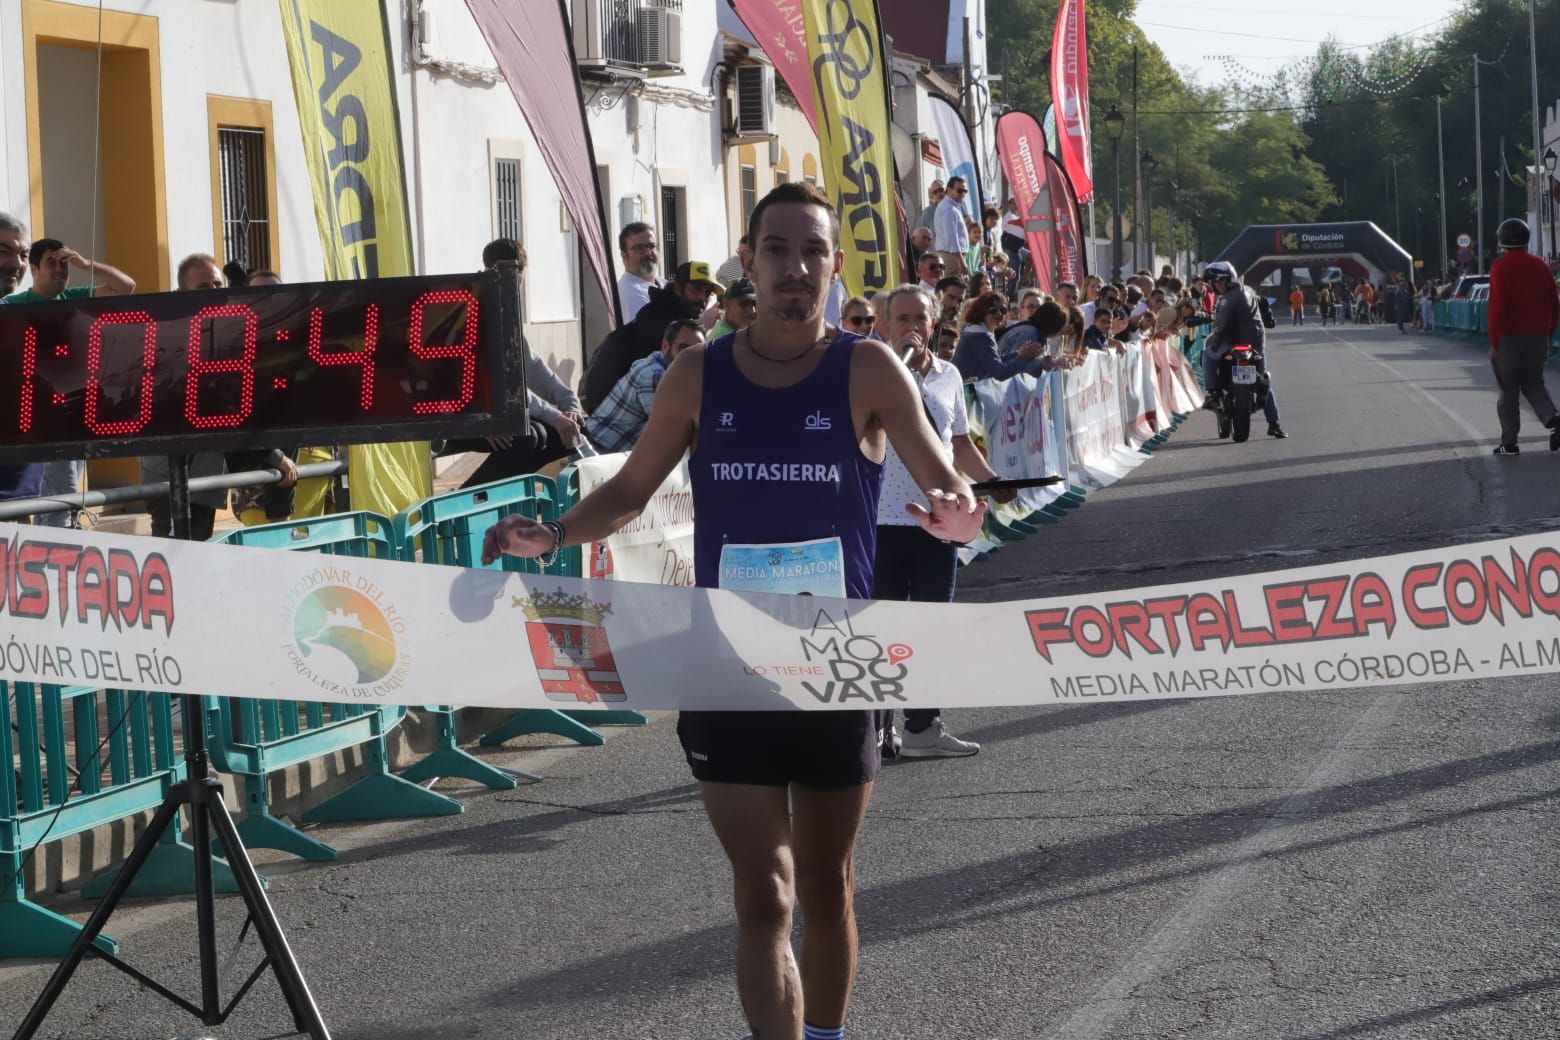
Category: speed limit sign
[1464,240]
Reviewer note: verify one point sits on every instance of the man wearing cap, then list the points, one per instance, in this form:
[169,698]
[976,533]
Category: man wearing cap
[686,297]
[738,308]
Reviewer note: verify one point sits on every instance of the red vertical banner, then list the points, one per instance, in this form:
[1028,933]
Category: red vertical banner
[1072,263]
[1070,95]
[781,31]
[534,49]
[1021,149]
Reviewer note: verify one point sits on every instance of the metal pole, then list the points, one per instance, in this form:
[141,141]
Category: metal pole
[1478,160]
[1397,213]
[1440,152]
[1115,149]
[1538,150]
[1148,216]
[1500,183]
[1137,167]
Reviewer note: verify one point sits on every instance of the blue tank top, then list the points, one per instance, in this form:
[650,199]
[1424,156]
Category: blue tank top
[782,465]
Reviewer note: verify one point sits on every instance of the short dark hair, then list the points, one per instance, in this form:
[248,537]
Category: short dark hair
[947,330]
[798,193]
[41,246]
[680,325]
[264,272]
[501,249]
[1049,318]
[991,212]
[944,284]
[957,180]
[236,274]
[629,231]
[1066,285]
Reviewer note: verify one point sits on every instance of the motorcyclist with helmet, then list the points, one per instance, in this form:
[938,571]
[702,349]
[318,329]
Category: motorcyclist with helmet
[1237,319]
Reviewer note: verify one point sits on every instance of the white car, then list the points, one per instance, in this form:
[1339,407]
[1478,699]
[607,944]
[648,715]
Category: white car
[1479,293]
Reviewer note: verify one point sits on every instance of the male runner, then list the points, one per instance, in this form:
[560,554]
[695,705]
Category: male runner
[785,791]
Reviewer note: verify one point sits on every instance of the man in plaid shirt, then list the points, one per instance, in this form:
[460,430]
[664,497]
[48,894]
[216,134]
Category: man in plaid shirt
[617,424]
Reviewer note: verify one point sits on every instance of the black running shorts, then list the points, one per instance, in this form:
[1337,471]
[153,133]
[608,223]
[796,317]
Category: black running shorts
[822,749]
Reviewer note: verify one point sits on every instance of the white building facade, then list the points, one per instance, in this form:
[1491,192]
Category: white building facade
[170,127]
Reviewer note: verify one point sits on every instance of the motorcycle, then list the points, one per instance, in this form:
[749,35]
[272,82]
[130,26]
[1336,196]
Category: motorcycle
[1242,390]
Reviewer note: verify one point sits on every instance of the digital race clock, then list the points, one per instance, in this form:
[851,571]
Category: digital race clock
[278,366]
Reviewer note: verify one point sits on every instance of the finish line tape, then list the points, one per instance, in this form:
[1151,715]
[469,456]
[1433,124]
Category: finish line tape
[190,617]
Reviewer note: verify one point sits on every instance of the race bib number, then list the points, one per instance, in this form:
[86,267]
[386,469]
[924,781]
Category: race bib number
[815,568]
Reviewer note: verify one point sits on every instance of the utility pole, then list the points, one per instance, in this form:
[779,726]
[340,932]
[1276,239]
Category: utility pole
[1440,152]
[1538,148]
[1500,181]
[1397,215]
[1478,161]
[1137,167]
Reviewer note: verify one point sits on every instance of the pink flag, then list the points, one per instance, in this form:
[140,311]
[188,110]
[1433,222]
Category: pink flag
[1071,263]
[1070,94]
[781,31]
[1021,149]
[535,51]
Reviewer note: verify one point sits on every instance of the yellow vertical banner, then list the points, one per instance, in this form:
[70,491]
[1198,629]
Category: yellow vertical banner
[339,51]
[850,94]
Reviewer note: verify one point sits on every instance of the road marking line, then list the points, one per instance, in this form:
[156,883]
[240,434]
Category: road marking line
[1479,439]
[1100,1013]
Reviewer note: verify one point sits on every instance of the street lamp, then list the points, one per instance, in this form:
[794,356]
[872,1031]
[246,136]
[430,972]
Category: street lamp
[1115,124]
[1547,198]
[1150,164]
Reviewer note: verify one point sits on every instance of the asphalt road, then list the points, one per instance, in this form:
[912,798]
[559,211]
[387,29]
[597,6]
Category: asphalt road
[1360,864]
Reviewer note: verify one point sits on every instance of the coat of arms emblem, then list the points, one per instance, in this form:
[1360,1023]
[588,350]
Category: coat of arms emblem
[569,647]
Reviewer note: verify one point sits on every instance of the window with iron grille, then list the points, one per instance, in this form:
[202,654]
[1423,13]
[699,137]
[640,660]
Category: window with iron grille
[671,228]
[749,193]
[506,198]
[246,215]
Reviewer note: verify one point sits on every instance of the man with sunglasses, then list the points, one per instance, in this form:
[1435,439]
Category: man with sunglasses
[929,270]
[950,227]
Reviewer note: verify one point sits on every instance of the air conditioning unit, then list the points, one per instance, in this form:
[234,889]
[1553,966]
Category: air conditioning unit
[660,37]
[755,101]
[589,38]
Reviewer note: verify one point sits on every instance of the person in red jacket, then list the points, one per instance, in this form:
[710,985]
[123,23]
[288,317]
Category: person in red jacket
[1524,311]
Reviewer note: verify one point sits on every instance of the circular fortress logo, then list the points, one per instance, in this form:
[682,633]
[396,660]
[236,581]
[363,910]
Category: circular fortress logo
[345,638]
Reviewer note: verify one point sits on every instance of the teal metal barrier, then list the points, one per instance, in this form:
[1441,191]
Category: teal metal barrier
[255,738]
[124,762]
[1470,318]
[448,529]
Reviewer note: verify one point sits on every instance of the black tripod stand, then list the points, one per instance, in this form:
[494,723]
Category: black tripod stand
[201,791]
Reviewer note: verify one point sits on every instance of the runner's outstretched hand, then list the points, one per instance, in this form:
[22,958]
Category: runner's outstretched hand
[515,536]
[951,517]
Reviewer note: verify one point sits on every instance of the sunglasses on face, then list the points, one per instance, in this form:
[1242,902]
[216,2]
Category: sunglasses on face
[861,319]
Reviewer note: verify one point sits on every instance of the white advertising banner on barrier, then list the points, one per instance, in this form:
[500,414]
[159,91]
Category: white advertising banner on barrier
[1020,441]
[137,613]
[1096,433]
[657,545]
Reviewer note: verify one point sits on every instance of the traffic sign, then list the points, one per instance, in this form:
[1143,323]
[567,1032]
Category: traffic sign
[1464,240]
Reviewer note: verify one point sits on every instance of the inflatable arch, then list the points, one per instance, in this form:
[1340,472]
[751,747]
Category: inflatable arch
[1359,248]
